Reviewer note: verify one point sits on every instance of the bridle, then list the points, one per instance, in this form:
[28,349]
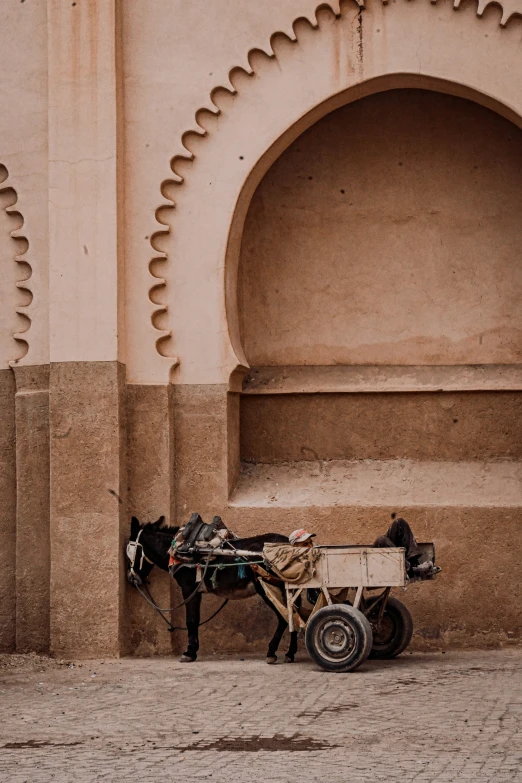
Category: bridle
[132,554]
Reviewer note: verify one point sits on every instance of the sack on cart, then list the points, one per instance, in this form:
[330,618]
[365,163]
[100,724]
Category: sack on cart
[290,563]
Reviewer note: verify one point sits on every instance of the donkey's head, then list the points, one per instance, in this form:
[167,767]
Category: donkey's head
[147,546]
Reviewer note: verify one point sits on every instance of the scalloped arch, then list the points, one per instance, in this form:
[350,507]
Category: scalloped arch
[345,52]
[19,304]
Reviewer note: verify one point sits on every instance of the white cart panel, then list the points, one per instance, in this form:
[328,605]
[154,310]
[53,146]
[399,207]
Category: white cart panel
[353,566]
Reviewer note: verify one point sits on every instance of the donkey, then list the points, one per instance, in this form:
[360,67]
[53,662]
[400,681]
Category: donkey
[153,541]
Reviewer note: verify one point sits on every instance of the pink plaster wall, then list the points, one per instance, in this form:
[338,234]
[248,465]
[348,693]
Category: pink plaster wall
[388,233]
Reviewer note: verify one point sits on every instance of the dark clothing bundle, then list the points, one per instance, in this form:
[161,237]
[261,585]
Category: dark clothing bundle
[400,534]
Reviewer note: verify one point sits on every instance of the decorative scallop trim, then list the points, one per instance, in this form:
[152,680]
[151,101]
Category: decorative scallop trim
[24,283]
[510,9]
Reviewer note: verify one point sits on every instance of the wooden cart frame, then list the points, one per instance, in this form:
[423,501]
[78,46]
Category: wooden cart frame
[341,634]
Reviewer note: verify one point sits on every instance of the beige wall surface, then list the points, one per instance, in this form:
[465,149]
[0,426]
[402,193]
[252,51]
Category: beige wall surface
[389,233]
[83,230]
[23,153]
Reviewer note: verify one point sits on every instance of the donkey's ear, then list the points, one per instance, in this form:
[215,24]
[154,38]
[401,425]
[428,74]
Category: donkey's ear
[159,522]
[135,527]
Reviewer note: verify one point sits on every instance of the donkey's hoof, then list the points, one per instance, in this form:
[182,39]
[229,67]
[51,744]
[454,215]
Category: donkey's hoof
[289,659]
[271,658]
[187,659]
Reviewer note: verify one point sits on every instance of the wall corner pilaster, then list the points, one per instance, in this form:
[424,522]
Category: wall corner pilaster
[33,555]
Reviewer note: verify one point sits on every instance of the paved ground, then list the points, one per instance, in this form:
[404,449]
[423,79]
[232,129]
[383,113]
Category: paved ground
[424,717]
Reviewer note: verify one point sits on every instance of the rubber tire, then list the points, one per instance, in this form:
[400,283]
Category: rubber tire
[358,625]
[402,620]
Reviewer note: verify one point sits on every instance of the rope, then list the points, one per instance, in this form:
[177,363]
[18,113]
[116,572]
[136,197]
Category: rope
[183,628]
[219,566]
[177,627]
[151,601]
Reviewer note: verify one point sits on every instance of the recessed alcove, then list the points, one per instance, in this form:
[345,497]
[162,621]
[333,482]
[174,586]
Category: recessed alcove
[389,233]
[379,294]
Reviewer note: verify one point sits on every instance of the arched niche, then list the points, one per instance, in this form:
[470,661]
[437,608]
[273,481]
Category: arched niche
[388,233]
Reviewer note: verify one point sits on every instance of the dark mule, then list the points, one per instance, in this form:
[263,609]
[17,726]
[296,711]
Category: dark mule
[230,582]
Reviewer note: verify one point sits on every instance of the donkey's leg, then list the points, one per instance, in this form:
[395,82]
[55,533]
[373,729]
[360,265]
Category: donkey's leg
[275,641]
[192,615]
[271,656]
[292,649]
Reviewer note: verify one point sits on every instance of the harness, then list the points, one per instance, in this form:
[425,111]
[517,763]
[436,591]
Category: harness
[132,554]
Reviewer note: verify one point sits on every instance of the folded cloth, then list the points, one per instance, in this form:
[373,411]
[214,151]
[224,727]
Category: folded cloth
[294,564]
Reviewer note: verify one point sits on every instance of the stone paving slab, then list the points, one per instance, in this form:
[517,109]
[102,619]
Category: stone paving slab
[423,717]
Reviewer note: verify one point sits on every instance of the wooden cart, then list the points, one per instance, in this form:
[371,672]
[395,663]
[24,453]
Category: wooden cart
[354,617]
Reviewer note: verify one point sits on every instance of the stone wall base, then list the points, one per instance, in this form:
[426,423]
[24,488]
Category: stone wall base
[88,497]
[33,545]
[7,512]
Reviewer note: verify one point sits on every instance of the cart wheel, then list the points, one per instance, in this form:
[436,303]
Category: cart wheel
[338,638]
[395,630]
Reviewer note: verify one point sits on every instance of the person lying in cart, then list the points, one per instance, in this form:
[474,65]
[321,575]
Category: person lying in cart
[399,534]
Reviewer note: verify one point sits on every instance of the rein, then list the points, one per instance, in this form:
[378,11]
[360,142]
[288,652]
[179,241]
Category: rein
[173,628]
